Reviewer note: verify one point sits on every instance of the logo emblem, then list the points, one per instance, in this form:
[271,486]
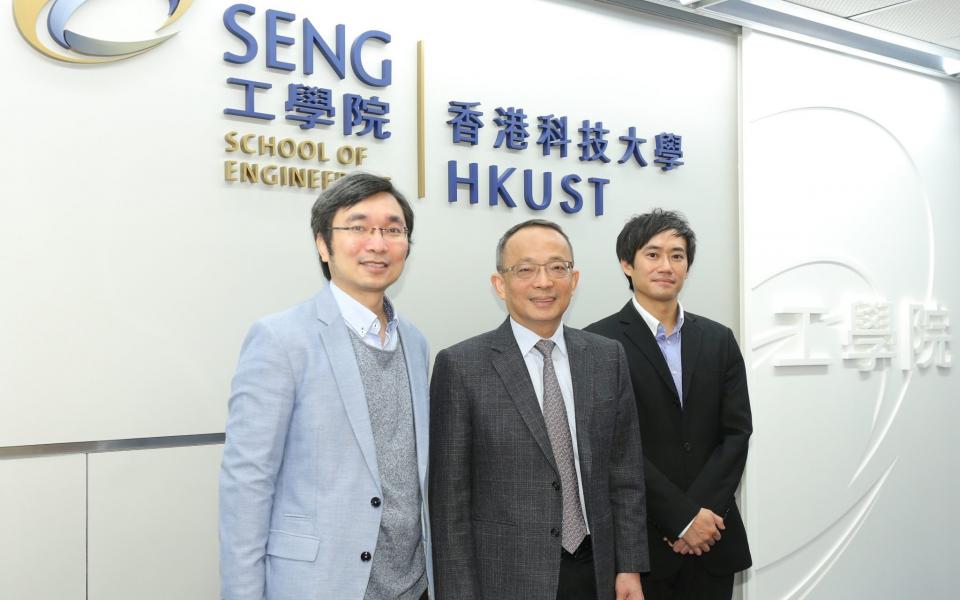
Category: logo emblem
[87,50]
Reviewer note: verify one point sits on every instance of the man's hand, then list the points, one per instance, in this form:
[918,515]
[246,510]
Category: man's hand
[704,532]
[680,547]
[628,586]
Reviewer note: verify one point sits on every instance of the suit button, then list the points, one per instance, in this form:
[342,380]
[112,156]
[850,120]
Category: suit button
[555,532]
[375,502]
[365,556]
[556,485]
[687,446]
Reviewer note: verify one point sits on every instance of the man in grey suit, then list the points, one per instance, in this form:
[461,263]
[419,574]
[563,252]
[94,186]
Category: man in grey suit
[323,484]
[536,471]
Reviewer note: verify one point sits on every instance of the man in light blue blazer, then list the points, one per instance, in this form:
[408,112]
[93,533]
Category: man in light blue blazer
[323,485]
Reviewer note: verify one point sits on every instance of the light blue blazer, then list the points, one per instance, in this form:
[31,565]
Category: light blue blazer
[299,463]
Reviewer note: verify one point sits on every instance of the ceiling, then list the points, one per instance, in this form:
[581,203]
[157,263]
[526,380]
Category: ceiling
[919,34]
[933,21]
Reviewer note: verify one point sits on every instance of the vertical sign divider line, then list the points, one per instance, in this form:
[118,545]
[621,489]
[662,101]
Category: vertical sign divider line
[421,168]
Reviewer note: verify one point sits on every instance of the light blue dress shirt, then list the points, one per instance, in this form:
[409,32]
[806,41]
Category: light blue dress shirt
[527,339]
[669,343]
[670,348]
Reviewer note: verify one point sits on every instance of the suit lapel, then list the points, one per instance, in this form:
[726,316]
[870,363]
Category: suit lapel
[346,372]
[510,366]
[581,367]
[417,374]
[635,329]
[690,335]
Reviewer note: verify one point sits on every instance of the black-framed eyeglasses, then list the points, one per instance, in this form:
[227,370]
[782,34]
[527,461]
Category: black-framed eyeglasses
[392,233]
[555,269]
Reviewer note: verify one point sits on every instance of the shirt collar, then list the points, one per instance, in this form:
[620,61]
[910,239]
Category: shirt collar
[653,324]
[527,339]
[360,318]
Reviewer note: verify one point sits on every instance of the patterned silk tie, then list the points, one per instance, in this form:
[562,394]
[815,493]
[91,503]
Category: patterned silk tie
[555,415]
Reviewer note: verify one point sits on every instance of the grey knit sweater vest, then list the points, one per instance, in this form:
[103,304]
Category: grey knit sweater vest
[399,567]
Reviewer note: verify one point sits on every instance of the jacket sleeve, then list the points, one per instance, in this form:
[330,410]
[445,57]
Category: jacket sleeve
[717,481]
[670,507]
[627,489]
[455,576]
[261,403]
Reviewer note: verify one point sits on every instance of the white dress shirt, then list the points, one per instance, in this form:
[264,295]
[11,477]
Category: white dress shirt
[364,322]
[526,340]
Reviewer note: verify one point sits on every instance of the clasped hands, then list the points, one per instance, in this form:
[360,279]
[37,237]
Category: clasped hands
[703,533]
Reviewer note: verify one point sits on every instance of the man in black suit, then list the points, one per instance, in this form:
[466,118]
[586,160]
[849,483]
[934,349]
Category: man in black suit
[536,476]
[690,386]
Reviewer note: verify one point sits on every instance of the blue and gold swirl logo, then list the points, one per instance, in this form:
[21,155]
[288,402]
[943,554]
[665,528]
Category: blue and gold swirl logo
[83,49]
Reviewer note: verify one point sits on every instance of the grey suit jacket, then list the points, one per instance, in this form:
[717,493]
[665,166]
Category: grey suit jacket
[299,463]
[495,503]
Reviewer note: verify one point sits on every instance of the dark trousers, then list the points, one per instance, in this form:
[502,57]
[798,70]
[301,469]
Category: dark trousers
[691,582]
[576,574]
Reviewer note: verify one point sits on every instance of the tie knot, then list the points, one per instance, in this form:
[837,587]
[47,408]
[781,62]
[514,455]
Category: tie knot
[545,347]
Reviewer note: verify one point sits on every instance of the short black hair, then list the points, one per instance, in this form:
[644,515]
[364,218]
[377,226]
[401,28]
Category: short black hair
[345,192]
[526,224]
[641,228]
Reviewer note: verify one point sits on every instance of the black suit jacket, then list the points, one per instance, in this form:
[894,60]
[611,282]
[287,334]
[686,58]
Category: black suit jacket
[693,456]
[495,497]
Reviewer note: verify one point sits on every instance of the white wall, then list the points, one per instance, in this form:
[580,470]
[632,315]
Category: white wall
[131,270]
[153,524]
[851,172]
[135,269]
[43,528]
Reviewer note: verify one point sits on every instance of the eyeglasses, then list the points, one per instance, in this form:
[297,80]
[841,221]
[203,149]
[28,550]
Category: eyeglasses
[556,269]
[393,234]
